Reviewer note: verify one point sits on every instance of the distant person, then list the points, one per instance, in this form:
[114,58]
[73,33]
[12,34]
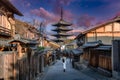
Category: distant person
[64,63]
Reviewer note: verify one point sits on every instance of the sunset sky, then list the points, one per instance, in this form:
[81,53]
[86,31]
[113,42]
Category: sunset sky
[81,13]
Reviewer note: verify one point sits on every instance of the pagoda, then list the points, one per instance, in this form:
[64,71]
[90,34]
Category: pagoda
[61,29]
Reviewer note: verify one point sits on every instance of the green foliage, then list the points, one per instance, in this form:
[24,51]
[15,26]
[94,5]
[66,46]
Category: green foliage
[41,48]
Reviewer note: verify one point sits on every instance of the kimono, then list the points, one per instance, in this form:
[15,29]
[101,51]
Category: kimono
[64,62]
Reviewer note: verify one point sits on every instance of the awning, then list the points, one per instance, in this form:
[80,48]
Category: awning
[77,51]
[91,44]
[25,41]
[18,40]
[104,48]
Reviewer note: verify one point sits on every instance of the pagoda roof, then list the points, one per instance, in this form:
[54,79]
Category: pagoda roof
[62,23]
[58,40]
[61,35]
[61,29]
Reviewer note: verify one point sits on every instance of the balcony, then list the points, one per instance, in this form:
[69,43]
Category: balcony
[5,32]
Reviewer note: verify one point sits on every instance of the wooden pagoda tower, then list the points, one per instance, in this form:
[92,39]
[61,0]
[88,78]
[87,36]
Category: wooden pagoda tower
[61,29]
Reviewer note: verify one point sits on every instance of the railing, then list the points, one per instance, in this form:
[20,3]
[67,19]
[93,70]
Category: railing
[5,32]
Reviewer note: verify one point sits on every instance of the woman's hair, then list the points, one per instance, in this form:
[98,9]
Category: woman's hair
[63,60]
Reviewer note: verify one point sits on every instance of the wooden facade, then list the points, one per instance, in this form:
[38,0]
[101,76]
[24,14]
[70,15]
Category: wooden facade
[105,32]
[26,30]
[7,11]
[101,57]
[7,65]
[17,62]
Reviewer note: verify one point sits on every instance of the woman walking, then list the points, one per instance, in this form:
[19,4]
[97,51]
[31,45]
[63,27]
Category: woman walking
[64,63]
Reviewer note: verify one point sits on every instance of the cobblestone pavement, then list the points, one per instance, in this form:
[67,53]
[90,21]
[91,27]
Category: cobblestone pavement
[55,72]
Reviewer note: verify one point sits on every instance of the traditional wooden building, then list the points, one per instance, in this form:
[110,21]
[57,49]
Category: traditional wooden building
[7,22]
[98,55]
[8,56]
[106,32]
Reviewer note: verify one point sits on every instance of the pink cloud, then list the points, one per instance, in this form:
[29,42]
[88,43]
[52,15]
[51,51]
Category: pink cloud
[68,15]
[72,37]
[85,21]
[75,30]
[48,17]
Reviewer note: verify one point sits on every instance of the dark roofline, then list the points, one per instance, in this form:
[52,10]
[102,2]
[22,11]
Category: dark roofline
[11,7]
[80,35]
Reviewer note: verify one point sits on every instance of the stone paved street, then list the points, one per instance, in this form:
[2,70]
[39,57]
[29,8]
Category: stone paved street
[55,72]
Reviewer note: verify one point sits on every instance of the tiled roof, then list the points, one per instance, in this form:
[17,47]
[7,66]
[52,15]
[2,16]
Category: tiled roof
[91,44]
[62,22]
[104,47]
[77,51]
[8,5]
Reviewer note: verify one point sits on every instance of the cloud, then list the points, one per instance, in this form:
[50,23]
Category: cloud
[71,37]
[75,30]
[47,16]
[85,21]
[50,17]
[68,15]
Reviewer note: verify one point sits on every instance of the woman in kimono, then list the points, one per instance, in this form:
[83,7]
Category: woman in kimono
[64,63]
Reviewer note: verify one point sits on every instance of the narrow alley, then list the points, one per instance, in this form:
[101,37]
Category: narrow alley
[59,39]
[55,72]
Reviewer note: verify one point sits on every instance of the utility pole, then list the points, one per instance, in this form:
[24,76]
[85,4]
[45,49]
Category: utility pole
[41,34]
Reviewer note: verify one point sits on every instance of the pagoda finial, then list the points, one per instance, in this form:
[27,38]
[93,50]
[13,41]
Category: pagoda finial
[61,13]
